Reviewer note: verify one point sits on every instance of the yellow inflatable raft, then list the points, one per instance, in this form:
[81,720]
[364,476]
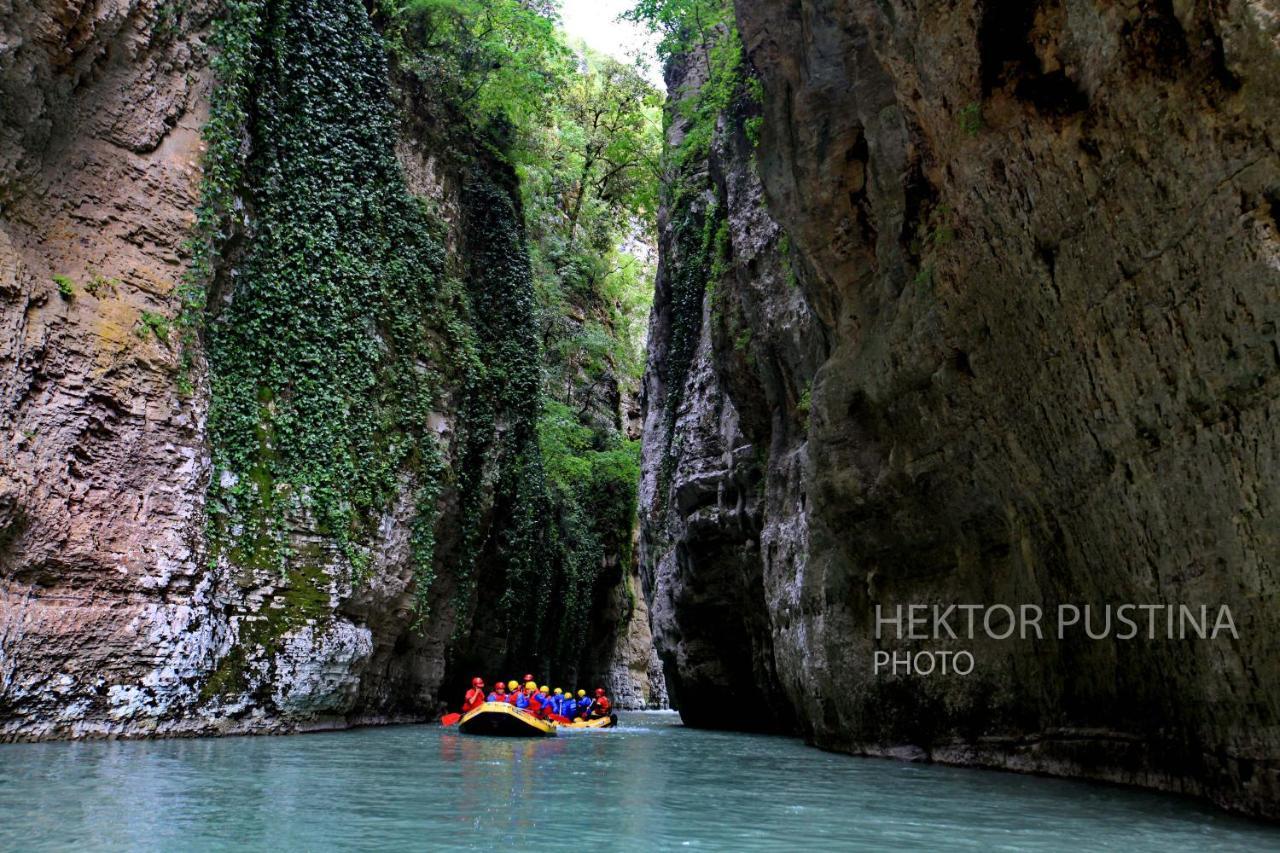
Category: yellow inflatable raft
[598,723]
[502,720]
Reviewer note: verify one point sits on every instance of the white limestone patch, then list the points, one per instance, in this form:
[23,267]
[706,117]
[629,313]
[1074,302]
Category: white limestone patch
[317,670]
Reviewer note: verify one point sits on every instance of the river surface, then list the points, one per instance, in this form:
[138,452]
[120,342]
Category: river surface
[651,784]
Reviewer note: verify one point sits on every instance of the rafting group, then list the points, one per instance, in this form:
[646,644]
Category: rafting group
[510,709]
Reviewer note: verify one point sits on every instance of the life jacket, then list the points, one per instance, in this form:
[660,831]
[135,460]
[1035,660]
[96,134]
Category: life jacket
[474,699]
[521,700]
[557,703]
[535,704]
[496,697]
[584,705]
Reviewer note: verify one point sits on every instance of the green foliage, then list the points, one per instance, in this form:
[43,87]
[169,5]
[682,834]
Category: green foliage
[683,24]
[66,287]
[588,169]
[592,497]
[330,339]
[169,16]
[323,359]
[154,324]
[719,92]
[236,50]
[575,463]
[970,117]
[501,295]
[694,263]
[788,261]
[499,60]
[588,179]
[100,284]
[803,404]
[704,31]
[721,247]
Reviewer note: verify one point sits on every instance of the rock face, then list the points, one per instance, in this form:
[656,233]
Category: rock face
[102,473]
[117,617]
[708,433]
[622,658]
[1030,357]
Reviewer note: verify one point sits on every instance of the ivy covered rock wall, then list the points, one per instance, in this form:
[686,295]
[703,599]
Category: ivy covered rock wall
[274,384]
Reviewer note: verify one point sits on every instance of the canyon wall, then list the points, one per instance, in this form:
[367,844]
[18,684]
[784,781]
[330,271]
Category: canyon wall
[995,323]
[185,546]
[103,475]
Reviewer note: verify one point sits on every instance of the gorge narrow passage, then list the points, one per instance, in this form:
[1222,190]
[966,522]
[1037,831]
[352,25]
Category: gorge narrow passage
[352,350]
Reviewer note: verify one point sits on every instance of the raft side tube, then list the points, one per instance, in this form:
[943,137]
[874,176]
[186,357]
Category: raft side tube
[498,719]
[597,723]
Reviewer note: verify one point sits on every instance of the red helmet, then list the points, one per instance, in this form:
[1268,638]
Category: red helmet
[500,686]
[599,691]
[527,678]
[477,682]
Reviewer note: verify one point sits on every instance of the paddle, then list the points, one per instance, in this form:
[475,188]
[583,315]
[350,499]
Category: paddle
[450,719]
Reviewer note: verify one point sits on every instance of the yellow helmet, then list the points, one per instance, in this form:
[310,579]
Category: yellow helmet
[581,693]
[544,689]
[530,685]
[558,691]
[513,685]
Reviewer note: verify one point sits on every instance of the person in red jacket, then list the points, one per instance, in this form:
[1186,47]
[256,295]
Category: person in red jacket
[537,705]
[499,693]
[601,706]
[475,696]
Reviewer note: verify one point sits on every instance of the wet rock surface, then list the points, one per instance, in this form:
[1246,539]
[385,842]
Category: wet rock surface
[1030,357]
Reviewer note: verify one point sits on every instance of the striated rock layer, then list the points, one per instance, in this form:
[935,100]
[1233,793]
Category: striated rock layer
[1030,357]
[103,595]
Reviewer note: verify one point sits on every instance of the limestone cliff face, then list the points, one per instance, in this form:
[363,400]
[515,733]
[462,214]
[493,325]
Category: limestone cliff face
[620,653]
[117,618]
[102,473]
[725,374]
[1030,356]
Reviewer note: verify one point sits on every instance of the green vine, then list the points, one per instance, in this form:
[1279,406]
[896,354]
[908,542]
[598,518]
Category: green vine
[326,347]
[235,44]
[508,382]
[319,294]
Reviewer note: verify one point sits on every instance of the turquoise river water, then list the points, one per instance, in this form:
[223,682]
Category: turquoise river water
[651,784]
